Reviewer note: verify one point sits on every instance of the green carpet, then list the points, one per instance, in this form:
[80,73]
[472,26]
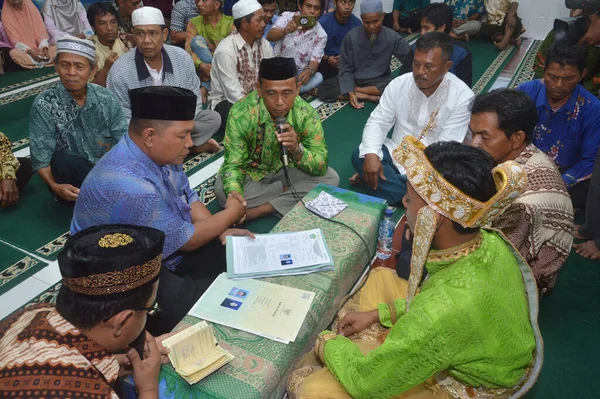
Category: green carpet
[488,63]
[524,72]
[13,80]
[19,266]
[15,119]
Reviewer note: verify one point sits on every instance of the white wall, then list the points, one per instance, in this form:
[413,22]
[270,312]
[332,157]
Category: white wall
[538,15]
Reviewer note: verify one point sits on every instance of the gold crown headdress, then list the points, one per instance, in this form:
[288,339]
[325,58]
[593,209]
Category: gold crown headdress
[445,199]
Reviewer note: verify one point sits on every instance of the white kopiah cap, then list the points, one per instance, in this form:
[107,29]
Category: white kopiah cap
[147,16]
[245,7]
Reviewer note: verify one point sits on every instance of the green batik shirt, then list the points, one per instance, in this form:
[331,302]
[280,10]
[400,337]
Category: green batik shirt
[471,319]
[57,123]
[8,163]
[251,147]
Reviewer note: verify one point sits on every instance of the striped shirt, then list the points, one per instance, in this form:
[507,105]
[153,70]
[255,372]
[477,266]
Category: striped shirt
[183,11]
[130,72]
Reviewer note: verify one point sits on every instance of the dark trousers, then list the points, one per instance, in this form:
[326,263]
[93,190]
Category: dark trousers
[393,188]
[223,109]
[178,291]
[69,168]
[327,71]
[412,21]
[591,227]
[24,173]
[579,194]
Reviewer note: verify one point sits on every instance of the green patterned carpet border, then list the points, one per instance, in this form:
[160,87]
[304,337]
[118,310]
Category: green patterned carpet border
[18,79]
[18,267]
[525,72]
[486,81]
[14,97]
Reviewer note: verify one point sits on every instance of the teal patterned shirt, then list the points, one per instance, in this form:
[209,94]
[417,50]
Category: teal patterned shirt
[464,9]
[407,7]
[57,123]
[251,147]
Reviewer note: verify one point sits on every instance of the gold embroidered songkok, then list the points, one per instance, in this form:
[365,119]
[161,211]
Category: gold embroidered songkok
[107,261]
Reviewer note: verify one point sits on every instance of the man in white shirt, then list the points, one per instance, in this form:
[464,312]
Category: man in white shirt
[236,61]
[428,103]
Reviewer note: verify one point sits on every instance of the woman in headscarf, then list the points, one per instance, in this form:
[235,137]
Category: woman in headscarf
[66,18]
[27,34]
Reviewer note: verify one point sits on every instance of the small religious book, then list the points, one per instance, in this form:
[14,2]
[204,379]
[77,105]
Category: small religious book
[326,205]
[195,353]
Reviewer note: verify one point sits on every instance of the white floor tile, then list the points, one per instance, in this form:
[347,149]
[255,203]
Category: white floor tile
[50,274]
[20,295]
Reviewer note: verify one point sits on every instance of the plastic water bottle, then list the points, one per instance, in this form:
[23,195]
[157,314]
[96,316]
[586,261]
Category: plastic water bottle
[386,235]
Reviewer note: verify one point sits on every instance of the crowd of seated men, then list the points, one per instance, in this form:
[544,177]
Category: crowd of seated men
[136,97]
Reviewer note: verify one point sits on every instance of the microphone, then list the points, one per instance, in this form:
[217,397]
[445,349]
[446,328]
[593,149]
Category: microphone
[279,122]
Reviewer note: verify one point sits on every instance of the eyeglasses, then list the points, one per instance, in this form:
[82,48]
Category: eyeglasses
[154,309]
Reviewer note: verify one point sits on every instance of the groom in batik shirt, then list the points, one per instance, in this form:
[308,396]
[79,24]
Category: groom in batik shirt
[419,334]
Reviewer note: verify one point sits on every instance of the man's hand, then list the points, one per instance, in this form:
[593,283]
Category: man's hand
[291,27]
[110,60]
[354,101]
[512,20]
[65,191]
[146,371]
[396,26]
[373,171]
[237,196]
[80,35]
[46,53]
[237,206]
[333,61]
[235,232]
[592,36]
[355,322]
[9,192]
[304,76]
[288,138]
[457,22]
[36,55]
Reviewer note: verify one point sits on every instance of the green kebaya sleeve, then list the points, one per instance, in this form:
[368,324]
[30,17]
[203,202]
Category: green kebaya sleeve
[235,158]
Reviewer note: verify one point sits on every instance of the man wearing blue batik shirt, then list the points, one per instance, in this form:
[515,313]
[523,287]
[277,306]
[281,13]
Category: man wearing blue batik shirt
[141,182]
[568,127]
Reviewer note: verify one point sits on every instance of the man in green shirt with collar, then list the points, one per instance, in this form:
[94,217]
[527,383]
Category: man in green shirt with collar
[253,169]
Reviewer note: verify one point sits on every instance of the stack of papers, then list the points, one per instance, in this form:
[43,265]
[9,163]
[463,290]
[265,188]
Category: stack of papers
[270,310]
[326,205]
[195,353]
[278,254]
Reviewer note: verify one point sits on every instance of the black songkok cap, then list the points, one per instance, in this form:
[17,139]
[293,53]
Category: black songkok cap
[164,103]
[111,261]
[277,68]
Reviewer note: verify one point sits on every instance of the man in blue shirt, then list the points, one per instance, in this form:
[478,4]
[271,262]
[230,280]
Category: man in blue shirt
[337,24]
[568,127]
[141,182]
[438,18]
[269,8]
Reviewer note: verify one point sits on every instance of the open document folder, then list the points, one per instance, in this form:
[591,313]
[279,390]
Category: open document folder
[270,310]
[278,254]
[195,353]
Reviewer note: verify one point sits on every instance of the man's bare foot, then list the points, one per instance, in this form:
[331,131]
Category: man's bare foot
[501,45]
[355,179]
[210,146]
[587,249]
[204,93]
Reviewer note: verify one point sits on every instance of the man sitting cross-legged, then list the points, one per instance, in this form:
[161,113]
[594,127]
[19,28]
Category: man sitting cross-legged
[429,103]
[470,326]
[366,53]
[568,125]
[154,63]
[304,44]
[538,223]
[235,66]
[95,332]
[438,18]
[252,166]
[74,123]
[107,38]
[501,24]
[141,181]
[336,24]
[203,35]
[466,18]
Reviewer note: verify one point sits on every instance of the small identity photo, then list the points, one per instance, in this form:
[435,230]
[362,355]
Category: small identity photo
[238,292]
[231,304]
[286,259]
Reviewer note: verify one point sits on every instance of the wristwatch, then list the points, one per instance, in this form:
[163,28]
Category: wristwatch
[299,151]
